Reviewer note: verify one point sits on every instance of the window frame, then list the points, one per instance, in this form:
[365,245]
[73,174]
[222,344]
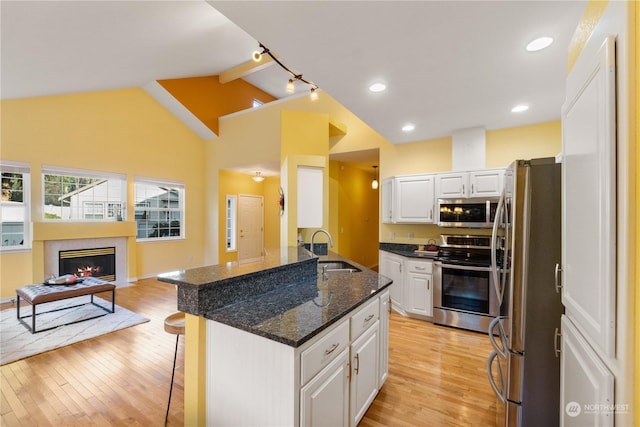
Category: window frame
[78,213]
[149,209]
[27,235]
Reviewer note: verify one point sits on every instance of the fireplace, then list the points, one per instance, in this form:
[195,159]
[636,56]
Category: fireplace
[97,262]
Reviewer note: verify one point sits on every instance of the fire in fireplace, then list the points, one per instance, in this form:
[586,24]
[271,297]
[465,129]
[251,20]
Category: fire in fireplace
[99,262]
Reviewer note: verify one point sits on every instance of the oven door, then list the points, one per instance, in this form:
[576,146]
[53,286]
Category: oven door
[464,294]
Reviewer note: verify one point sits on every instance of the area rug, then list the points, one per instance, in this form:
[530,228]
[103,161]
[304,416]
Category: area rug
[16,342]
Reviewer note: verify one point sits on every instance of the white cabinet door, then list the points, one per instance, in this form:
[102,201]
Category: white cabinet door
[324,401]
[391,265]
[414,201]
[452,185]
[310,197]
[387,200]
[589,199]
[384,337]
[418,298]
[364,373]
[486,183]
[586,385]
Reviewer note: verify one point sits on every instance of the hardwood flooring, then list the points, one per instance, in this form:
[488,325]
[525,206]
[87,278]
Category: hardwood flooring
[437,375]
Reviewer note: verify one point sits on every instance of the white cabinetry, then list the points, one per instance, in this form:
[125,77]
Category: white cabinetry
[385,306]
[414,199]
[418,286]
[324,401]
[391,265]
[479,183]
[310,197]
[412,287]
[584,380]
[364,373]
[387,200]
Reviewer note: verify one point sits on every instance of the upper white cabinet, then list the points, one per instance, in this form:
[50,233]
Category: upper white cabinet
[414,199]
[387,200]
[480,183]
[310,196]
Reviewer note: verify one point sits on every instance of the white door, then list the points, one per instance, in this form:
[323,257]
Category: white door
[418,299]
[414,199]
[589,199]
[324,401]
[586,385]
[250,227]
[364,372]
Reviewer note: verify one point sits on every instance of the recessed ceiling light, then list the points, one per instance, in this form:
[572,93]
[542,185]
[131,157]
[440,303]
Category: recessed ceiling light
[519,108]
[408,127]
[377,87]
[539,44]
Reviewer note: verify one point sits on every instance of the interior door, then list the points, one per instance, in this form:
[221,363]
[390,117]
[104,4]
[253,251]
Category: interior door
[250,227]
[589,199]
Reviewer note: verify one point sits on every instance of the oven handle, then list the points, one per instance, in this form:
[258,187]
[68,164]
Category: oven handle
[462,267]
[494,243]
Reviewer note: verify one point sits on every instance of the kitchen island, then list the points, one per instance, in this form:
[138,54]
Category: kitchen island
[285,343]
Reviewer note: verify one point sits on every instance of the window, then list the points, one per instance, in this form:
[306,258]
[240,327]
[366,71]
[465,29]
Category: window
[159,209]
[15,207]
[82,195]
[231,223]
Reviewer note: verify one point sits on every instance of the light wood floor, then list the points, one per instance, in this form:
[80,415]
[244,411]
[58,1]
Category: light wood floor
[437,375]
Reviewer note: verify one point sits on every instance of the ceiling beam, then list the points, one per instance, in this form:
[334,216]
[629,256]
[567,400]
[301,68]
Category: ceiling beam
[245,69]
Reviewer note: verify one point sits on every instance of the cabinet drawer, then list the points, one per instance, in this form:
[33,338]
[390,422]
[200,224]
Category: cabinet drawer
[364,318]
[316,357]
[424,267]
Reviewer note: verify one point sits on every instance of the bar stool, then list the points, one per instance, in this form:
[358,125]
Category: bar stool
[173,324]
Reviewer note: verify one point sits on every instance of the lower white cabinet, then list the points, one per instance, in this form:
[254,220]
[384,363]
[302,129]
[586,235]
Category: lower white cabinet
[391,265]
[364,372]
[418,287]
[324,401]
[412,287]
[385,307]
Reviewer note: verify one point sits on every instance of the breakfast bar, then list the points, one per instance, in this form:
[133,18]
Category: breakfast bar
[280,329]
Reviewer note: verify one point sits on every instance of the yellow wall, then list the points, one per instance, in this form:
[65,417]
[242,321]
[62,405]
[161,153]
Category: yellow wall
[358,218]
[234,184]
[433,156]
[525,142]
[120,131]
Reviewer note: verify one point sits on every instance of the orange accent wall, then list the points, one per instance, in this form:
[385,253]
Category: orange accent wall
[209,99]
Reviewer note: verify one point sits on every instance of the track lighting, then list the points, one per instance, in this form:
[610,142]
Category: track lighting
[257,56]
[258,177]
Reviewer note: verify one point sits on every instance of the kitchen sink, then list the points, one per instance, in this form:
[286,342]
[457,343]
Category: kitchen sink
[338,266]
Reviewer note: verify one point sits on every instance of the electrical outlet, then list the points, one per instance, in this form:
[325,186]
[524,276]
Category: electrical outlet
[392,235]
[410,235]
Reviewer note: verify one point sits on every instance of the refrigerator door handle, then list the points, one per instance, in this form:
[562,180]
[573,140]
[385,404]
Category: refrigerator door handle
[556,278]
[494,244]
[500,349]
[557,345]
[498,391]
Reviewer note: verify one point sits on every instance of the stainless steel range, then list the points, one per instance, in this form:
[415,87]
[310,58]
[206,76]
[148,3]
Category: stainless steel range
[464,295]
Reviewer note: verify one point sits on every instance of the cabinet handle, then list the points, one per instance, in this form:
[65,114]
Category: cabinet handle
[369,317]
[471,188]
[331,349]
[430,213]
[428,284]
[357,368]
[556,278]
[556,339]
[420,268]
[463,189]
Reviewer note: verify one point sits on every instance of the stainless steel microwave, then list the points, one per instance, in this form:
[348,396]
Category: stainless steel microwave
[467,213]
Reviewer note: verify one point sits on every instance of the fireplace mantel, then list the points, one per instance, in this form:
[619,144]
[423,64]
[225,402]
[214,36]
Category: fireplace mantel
[50,237]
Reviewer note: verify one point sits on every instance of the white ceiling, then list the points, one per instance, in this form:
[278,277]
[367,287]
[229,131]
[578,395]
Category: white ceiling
[448,65]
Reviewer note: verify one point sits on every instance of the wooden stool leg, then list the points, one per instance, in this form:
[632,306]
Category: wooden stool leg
[173,373]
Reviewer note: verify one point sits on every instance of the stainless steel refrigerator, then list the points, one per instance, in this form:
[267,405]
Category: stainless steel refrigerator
[524,369]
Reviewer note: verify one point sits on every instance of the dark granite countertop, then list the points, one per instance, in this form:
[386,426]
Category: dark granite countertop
[406,250]
[286,301]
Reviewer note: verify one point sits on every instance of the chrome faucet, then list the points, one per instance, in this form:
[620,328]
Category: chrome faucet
[313,236]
